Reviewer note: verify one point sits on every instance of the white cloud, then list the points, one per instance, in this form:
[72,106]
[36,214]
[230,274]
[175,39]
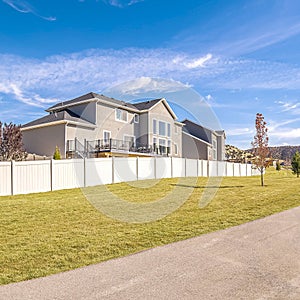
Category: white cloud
[146,84]
[199,62]
[41,81]
[121,3]
[24,7]
[239,131]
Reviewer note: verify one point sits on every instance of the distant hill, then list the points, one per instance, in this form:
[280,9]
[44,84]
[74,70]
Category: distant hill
[284,152]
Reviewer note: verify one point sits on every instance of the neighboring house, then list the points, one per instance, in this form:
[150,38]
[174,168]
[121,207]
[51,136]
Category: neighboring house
[94,125]
[199,142]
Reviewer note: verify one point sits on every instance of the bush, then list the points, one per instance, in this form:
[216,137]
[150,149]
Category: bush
[56,154]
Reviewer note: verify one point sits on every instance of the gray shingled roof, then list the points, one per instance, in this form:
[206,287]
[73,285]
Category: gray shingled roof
[146,104]
[197,130]
[66,115]
[89,96]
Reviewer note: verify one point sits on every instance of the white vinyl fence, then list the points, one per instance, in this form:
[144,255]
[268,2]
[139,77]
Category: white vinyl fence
[48,175]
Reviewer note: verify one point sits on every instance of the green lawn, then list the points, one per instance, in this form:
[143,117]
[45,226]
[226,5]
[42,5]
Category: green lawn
[47,233]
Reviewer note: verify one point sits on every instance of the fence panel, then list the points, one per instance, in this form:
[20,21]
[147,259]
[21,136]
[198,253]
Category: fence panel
[249,169]
[5,178]
[68,174]
[243,168]
[178,167]
[163,167]
[222,168]
[230,168]
[236,169]
[98,171]
[213,168]
[125,169]
[204,168]
[31,176]
[191,168]
[146,167]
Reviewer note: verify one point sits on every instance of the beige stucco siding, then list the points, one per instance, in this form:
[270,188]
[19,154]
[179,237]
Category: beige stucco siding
[106,120]
[160,113]
[42,141]
[82,133]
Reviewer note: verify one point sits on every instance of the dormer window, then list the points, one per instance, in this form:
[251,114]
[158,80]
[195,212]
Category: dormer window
[121,115]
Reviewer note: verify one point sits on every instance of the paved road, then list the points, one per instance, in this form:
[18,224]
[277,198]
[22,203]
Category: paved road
[257,260]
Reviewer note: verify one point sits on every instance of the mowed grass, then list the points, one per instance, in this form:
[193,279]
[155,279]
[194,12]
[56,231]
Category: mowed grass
[47,233]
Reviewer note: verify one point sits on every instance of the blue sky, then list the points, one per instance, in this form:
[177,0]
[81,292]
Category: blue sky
[241,56]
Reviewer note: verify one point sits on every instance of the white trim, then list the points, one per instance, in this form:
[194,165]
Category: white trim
[194,137]
[138,118]
[71,104]
[164,101]
[58,123]
[122,110]
[107,131]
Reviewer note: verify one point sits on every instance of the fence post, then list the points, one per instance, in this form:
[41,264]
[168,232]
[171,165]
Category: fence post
[208,168]
[171,167]
[12,176]
[155,162]
[51,174]
[84,171]
[185,167]
[137,168]
[240,169]
[113,169]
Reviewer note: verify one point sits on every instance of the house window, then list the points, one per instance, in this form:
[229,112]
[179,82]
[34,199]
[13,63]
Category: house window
[162,128]
[129,141]
[154,126]
[169,147]
[162,146]
[106,136]
[154,144]
[136,118]
[214,150]
[175,149]
[168,129]
[121,115]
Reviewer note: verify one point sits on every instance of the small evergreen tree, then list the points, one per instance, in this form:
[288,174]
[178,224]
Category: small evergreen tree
[278,166]
[56,154]
[296,163]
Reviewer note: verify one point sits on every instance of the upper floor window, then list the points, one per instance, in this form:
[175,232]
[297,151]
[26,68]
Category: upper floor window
[121,115]
[154,127]
[136,118]
[168,129]
[162,128]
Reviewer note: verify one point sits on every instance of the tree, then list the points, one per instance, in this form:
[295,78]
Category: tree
[296,163]
[11,145]
[56,154]
[260,146]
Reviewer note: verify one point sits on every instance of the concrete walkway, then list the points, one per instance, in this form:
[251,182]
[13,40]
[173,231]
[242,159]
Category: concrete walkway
[257,260]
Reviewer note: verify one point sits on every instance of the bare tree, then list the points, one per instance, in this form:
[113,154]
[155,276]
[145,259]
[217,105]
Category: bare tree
[260,146]
[11,145]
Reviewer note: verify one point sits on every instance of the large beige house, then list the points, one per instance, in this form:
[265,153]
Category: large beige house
[94,125]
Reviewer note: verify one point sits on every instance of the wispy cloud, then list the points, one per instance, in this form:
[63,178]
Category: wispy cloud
[121,3]
[38,82]
[24,7]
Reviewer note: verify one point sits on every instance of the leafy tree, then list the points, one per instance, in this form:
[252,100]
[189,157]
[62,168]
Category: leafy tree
[278,166]
[260,146]
[11,145]
[56,154]
[296,163]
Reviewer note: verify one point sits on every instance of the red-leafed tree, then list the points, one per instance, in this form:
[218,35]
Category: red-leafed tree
[260,146]
[11,145]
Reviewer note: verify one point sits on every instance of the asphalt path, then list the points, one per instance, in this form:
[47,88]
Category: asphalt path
[256,260]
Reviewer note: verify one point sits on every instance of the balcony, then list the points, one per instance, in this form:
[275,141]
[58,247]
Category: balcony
[100,148]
